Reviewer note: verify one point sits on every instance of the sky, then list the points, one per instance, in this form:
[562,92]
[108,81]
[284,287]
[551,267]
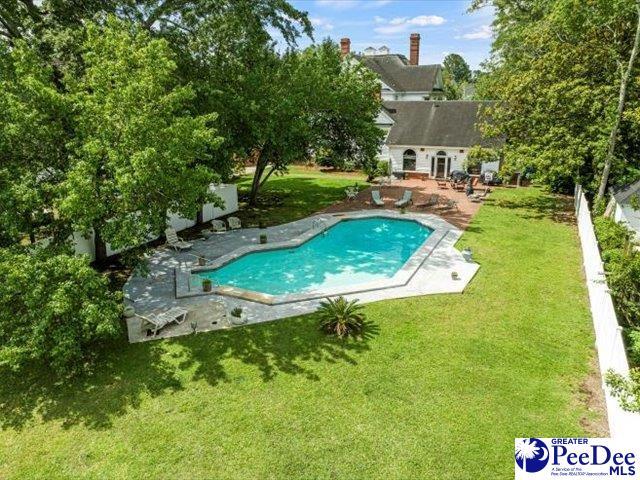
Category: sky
[444,26]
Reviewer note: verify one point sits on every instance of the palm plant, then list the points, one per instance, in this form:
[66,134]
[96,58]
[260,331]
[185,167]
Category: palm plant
[341,317]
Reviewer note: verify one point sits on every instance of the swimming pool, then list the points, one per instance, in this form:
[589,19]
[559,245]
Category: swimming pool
[351,252]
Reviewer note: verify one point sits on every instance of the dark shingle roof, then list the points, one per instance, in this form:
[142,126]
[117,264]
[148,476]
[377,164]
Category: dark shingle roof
[395,71]
[444,123]
[623,194]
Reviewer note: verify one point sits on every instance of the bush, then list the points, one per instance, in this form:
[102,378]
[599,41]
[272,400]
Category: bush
[54,310]
[633,340]
[477,156]
[341,317]
[626,389]
[622,264]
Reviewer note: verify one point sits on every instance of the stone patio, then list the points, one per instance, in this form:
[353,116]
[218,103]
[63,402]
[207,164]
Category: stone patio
[157,291]
[422,189]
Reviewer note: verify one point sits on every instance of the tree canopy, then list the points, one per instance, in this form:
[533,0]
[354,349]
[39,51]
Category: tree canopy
[555,72]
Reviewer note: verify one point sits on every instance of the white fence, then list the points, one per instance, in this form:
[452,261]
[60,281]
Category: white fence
[609,342]
[228,193]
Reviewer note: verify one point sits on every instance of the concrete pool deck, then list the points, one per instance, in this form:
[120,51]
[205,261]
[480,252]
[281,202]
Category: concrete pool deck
[164,287]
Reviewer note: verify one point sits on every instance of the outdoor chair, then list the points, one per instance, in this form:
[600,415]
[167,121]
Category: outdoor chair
[405,200]
[479,197]
[351,193]
[234,223]
[161,320]
[441,184]
[174,241]
[431,201]
[375,198]
[451,204]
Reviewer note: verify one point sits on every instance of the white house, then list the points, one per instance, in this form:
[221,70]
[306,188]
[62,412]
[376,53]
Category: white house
[432,138]
[623,207]
[427,135]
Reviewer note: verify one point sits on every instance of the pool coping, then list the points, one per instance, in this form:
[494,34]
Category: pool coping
[184,288]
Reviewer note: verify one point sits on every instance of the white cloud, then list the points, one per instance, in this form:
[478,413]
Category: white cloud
[376,3]
[378,19]
[402,24]
[321,23]
[338,4]
[481,33]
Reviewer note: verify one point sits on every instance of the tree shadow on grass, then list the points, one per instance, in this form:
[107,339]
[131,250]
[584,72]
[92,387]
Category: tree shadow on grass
[128,373]
[287,199]
[279,347]
[116,384]
[558,208]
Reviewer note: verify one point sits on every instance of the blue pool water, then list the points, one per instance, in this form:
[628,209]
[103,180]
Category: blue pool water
[348,253]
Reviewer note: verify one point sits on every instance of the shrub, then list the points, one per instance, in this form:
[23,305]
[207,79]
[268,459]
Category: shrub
[622,263]
[626,389]
[236,312]
[477,156]
[633,340]
[54,310]
[341,317]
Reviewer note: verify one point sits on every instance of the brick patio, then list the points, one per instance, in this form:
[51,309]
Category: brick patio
[422,189]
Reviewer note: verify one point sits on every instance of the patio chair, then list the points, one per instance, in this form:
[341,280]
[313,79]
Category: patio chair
[218,226]
[160,320]
[431,201]
[174,241]
[234,223]
[441,184]
[351,193]
[375,198]
[405,200]
[479,197]
[451,204]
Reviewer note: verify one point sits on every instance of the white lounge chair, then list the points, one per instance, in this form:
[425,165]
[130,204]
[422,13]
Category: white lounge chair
[234,223]
[174,241]
[218,226]
[375,198]
[159,320]
[405,200]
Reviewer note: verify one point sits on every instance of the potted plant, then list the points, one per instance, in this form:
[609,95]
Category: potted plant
[206,285]
[263,238]
[455,276]
[467,254]
[236,316]
[202,261]
[403,210]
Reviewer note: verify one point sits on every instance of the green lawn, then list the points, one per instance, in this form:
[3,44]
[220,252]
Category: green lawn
[296,195]
[438,389]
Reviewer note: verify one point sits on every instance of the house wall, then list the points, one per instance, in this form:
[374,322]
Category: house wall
[410,96]
[424,154]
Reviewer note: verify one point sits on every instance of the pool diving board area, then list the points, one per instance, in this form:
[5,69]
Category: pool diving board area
[337,254]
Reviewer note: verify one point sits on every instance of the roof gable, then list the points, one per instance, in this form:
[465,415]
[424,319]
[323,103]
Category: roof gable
[394,70]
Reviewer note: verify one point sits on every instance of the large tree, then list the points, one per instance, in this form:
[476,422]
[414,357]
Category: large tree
[457,67]
[315,105]
[138,151]
[555,71]
[33,135]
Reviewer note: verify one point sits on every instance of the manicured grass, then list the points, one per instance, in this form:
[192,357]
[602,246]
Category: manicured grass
[438,389]
[296,195]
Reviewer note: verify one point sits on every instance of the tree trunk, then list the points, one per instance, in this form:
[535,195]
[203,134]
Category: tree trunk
[621,104]
[255,185]
[100,247]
